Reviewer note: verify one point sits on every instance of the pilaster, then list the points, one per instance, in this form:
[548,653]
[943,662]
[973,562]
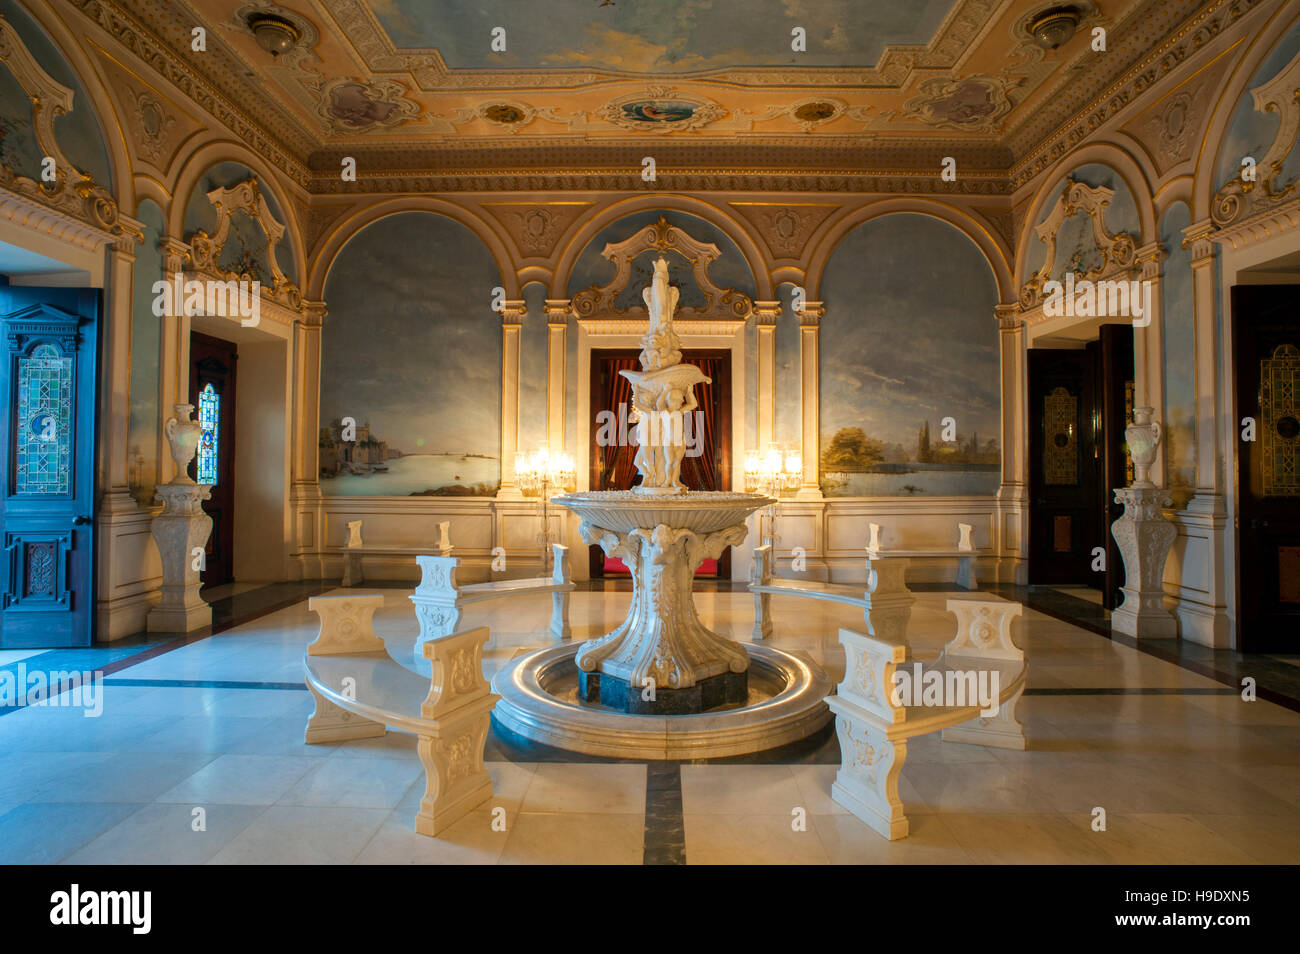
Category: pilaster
[765,317]
[810,316]
[1013,494]
[1149,348]
[512,320]
[557,328]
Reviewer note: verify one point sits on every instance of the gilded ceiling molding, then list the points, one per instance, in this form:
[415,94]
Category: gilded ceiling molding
[73,194]
[217,101]
[1118,251]
[1238,199]
[536,227]
[1053,132]
[975,103]
[720,303]
[205,250]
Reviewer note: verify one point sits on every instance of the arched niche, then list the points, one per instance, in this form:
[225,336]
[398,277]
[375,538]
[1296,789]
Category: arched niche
[411,352]
[909,340]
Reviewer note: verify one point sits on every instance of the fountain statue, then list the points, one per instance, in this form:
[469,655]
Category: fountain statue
[715,696]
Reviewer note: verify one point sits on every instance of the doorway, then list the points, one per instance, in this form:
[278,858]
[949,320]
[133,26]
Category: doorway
[1080,401]
[1266,358]
[47,442]
[212,392]
[612,462]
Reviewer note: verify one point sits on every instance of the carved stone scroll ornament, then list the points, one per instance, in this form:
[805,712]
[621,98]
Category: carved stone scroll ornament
[1239,198]
[205,249]
[1117,250]
[663,237]
[73,192]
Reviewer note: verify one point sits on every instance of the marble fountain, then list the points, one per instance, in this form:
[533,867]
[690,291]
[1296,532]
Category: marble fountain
[661,685]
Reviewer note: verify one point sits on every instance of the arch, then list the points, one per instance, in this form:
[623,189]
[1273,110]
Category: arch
[101,105]
[147,188]
[1265,40]
[589,227]
[355,222]
[1177,189]
[1102,153]
[209,154]
[990,247]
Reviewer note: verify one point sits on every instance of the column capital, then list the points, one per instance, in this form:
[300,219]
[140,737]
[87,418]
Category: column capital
[131,235]
[1151,259]
[1198,238]
[513,311]
[811,314]
[767,312]
[558,310]
[1008,317]
[175,255]
[313,313]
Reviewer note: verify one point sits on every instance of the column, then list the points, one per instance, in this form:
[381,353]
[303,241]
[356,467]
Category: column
[174,357]
[115,383]
[1013,495]
[304,476]
[1149,349]
[1204,619]
[765,316]
[557,326]
[809,317]
[512,320]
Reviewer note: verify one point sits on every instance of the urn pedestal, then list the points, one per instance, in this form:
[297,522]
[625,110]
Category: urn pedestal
[179,529]
[1144,537]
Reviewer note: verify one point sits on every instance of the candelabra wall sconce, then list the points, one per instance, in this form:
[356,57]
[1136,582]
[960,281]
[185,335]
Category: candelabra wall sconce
[773,473]
[544,474]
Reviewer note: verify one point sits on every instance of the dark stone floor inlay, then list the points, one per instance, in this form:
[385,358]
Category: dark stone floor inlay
[665,828]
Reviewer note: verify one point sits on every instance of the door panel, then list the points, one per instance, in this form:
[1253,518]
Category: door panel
[47,443]
[1266,351]
[212,392]
[1063,469]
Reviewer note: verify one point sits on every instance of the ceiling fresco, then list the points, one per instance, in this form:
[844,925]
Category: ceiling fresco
[640,37]
[414,87]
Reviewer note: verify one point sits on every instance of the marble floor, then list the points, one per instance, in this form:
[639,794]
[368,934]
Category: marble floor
[198,756]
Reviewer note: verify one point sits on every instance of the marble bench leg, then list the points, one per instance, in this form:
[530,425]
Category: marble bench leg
[456,781]
[352,573]
[867,782]
[331,723]
[762,616]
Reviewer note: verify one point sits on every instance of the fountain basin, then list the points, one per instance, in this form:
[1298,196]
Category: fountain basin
[700,511]
[539,702]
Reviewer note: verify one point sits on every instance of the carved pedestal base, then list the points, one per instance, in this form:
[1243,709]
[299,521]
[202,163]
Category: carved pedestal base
[180,529]
[984,637]
[1144,537]
[662,645]
[330,723]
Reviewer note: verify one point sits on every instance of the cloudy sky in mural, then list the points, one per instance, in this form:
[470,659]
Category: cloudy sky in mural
[410,333]
[656,37]
[909,310]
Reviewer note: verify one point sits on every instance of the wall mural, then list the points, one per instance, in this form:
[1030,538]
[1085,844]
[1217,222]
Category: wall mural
[410,333]
[908,340]
[1178,310]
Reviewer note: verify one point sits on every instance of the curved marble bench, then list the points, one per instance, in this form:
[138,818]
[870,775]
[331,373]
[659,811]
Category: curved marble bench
[360,690]
[874,723]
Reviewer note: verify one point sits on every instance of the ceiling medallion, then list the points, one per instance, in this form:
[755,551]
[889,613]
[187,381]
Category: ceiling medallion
[661,110]
[974,103]
[273,33]
[351,105]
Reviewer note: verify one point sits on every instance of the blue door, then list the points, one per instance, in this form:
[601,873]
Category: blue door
[47,443]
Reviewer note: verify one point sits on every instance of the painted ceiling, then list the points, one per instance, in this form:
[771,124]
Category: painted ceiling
[883,83]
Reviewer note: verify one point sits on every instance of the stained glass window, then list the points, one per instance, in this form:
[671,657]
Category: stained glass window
[44,425]
[210,422]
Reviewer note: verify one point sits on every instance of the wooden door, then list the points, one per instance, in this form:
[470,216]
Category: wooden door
[212,392]
[1266,357]
[47,443]
[1064,467]
[1115,384]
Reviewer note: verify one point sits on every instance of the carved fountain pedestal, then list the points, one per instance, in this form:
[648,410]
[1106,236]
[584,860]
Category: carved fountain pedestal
[661,660]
